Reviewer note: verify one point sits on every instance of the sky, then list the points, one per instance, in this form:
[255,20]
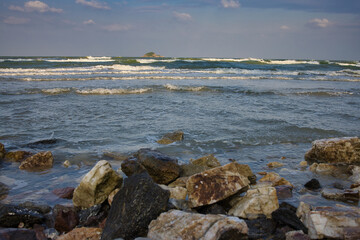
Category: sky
[273,29]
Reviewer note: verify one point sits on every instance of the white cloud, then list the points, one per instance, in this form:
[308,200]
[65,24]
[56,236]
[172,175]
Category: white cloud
[116,27]
[16,20]
[35,6]
[285,27]
[93,4]
[320,23]
[184,17]
[89,22]
[230,3]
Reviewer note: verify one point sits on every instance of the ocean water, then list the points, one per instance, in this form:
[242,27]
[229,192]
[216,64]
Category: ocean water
[252,110]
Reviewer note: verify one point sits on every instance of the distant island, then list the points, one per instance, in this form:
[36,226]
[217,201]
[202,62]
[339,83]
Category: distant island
[152,55]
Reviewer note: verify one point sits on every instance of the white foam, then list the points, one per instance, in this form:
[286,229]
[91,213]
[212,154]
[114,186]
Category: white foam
[107,91]
[147,61]
[233,59]
[56,90]
[183,88]
[289,62]
[87,59]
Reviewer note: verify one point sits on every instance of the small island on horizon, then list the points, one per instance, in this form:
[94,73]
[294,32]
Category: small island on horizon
[152,55]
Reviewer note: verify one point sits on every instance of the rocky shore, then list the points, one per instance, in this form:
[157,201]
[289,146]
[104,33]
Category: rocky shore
[152,196]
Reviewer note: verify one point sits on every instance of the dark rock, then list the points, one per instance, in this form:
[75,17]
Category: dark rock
[11,216]
[43,143]
[2,151]
[297,235]
[43,209]
[260,228]
[288,206]
[39,230]
[136,204]
[4,191]
[93,216]
[131,166]
[284,216]
[39,161]
[17,156]
[66,193]
[66,218]
[338,185]
[280,232]
[190,169]
[283,192]
[162,168]
[212,209]
[313,184]
[17,234]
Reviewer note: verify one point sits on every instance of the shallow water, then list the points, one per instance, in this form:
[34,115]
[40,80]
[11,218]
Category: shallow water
[252,110]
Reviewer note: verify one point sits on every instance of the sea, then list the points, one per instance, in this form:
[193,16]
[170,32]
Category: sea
[250,110]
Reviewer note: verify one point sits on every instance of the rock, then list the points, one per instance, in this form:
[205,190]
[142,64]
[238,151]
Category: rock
[66,193]
[112,195]
[313,184]
[2,151]
[261,227]
[256,202]
[93,216]
[335,150]
[179,205]
[66,218]
[176,192]
[190,169]
[11,216]
[275,179]
[132,166]
[162,168]
[66,163]
[152,55]
[275,165]
[43,143]
[212,209]
[177,224]
[355,174]
[137,203]
[215,184]
[283,192]
[43,209]
[39,231]
[171,137]
[51,233]
[180,182]
[296,235]
[39,161]
[17,156]
[116,155]
[340,222]
[348,195]
[302,210]
[207,161]
[96,185]
[324,168]
[303,164]
[82,233]
[4,191]
[284,216]
[17,234]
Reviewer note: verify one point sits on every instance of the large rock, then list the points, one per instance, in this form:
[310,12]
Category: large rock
[347,195]
[17,156]
[131,166]
[39,161]
[17,234]
[137,203]
[340,222]
[171,137]
[96,186]
[313,184]
[175,192]
[93,216]
[66,218]
[285,216]
[208,161]
[335,150]
[325,169]
[82,233]
[11,216]
[275,179]
[162,168]
[256,202]
[215,184]
[2,151]
[190,169]
[177,224]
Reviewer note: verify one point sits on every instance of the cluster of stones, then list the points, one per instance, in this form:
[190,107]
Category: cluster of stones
[160,199]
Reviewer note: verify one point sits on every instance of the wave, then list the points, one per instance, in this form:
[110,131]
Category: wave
[323,93]
[86,59]
[184,88]
[107,91]
[56,90]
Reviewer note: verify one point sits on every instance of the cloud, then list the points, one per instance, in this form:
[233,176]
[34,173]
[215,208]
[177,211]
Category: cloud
[184,17]
[93,4]
[16,20]
[230,3]
[319,23]
[284,27]
[89,22]
[116,27]
[35,6]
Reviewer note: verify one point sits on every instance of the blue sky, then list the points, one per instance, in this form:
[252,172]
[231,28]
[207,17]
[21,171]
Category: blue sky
[301,29]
